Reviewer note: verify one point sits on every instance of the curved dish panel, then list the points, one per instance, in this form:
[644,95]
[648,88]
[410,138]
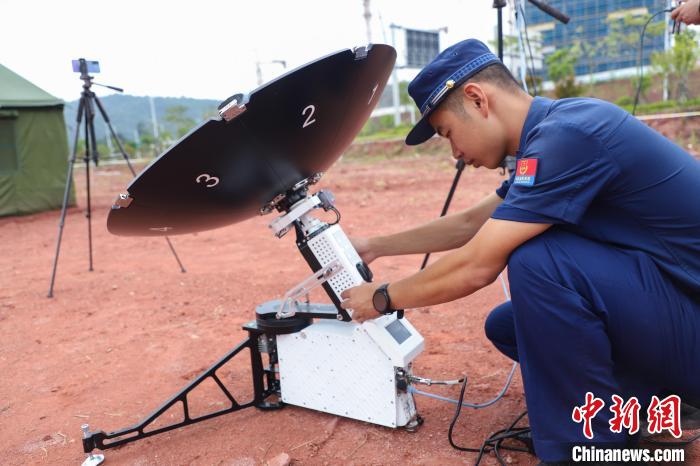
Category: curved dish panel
[286,131]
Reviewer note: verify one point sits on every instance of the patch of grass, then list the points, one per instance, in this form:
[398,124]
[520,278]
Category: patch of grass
[669,106]
[396,132]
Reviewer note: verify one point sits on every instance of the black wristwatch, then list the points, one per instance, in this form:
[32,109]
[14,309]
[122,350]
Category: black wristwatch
[381,300]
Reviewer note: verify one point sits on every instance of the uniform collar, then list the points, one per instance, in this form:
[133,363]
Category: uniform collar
[539,108]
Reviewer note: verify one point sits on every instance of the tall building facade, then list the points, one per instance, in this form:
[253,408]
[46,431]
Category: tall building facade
[593,23]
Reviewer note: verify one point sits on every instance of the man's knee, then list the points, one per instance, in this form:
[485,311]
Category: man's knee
[499,323]
[500,329]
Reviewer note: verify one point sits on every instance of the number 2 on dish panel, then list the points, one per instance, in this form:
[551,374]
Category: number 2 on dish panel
[309,120]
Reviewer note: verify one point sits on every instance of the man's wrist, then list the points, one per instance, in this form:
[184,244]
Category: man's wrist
[392,305]
[381,300]
[376,246]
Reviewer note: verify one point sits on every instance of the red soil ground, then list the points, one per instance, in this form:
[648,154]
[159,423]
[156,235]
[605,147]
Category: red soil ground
[114,343]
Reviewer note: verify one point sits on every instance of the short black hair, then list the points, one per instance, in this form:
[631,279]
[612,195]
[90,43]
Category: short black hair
[496,74]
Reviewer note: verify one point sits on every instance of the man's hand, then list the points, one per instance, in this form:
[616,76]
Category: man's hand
[687,12]
[359,299]
[363,246]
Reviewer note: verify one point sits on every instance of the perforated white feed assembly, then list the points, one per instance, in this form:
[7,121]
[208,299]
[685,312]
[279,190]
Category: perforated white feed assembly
[333,244]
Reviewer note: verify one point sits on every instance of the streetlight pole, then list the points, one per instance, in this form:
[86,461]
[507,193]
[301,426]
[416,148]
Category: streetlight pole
[368,20]
[258,70]
[395,80]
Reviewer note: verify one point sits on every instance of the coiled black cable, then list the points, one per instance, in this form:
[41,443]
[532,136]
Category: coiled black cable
[494,443]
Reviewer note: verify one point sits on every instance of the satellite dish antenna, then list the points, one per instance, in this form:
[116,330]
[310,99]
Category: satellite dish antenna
[262,155]
[266,147]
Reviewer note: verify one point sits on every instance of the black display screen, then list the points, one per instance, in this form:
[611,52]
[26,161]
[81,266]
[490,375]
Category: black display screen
[421,47]
[398,331]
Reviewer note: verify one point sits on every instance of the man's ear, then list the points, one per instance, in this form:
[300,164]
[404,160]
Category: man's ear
[476,98]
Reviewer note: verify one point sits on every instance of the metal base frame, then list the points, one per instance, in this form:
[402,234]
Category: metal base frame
[265,384]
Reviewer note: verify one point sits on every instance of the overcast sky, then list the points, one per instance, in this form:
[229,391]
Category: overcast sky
[206,48]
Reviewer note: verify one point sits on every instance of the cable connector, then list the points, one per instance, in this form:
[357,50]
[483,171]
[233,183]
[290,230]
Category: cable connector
[424,381]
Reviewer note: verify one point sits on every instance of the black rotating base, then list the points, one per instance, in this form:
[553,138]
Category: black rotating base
[267,321]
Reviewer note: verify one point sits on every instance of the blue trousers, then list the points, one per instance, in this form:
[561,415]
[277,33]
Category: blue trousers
[589,317]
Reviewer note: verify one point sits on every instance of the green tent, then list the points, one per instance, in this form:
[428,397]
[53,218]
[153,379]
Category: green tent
[33,147]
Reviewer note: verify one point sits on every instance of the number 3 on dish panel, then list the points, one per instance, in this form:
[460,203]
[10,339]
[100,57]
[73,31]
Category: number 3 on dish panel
[208,180]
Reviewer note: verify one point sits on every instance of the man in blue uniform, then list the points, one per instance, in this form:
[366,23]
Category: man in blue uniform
[599,227]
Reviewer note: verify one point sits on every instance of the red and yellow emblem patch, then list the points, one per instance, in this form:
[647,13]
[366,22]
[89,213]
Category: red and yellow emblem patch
[525,172]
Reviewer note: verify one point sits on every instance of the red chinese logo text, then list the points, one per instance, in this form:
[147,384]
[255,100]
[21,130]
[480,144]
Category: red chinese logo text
[624,415]
[587,412]
[665,415]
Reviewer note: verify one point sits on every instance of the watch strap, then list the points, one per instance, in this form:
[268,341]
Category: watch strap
[383,288]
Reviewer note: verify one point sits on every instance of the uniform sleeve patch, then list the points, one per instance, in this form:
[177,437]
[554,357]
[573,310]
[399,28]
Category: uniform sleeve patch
[525,172]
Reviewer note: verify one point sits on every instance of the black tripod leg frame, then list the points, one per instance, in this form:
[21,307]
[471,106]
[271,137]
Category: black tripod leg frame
[264,385]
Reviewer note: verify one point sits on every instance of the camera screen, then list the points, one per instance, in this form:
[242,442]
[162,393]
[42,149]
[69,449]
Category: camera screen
[93,66]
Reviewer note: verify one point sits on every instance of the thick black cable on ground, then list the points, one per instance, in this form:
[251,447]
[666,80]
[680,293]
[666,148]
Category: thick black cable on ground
[640,74]
[672,443]
[494,442]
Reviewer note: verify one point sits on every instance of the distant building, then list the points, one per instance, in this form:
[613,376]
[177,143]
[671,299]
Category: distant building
[590,25]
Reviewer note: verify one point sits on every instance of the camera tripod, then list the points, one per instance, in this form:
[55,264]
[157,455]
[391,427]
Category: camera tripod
[86,116]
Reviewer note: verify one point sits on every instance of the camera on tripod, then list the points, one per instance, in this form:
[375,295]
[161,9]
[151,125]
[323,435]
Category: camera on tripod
[84,66]
[88,105]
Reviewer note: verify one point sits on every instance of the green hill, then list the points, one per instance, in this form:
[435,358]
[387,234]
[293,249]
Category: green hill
[131,115]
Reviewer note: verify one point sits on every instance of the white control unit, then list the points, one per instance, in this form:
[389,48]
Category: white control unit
[349,369]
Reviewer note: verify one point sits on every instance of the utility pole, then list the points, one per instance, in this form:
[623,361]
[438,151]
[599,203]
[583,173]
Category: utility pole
[395,80]
[368,20]
[108,137]
[258,70]
[137,143]
[258,73]
[154,121]
[667,44]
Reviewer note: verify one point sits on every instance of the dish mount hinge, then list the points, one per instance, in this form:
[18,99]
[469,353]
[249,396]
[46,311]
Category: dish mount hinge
[123,201]
[232,107]
[272,205]
[362,51]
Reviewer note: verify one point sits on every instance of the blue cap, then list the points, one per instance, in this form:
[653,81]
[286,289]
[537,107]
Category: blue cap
[452,67]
